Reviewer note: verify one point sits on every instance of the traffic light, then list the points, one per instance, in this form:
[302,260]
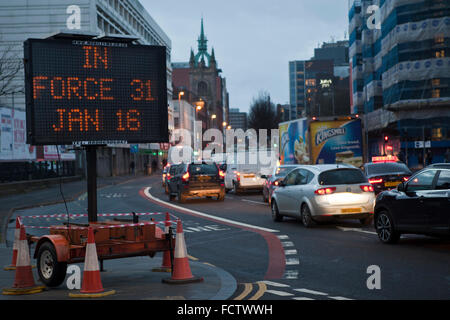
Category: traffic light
[386,139]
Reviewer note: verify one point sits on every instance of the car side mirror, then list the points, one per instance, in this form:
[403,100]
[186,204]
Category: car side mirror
[401,187]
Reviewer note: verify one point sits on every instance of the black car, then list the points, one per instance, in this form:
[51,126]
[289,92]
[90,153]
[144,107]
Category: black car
[386,175]
[419,206]
[170,173]
[197,180]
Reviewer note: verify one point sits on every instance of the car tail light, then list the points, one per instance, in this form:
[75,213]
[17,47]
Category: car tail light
[374,181]
[185,177]
[168,176]
[221,174]
[277,183]
[366,188]
[238,176]
[405,179]
[324,191]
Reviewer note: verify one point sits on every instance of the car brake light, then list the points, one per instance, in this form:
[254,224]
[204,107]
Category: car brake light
[238,176]
[221,174]
[185,176]
[366,188]
[324,191]
[405,179]
[373,181]
[276,183]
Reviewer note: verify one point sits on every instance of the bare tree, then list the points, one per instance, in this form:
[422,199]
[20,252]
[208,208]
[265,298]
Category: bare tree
[10,66]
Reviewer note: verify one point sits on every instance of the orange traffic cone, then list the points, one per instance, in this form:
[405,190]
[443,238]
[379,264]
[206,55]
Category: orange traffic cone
[166,263]
[181,271]
[12,266]
[23,280]
[92,285]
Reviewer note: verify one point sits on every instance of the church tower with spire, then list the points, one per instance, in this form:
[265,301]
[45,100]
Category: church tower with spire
[206,82]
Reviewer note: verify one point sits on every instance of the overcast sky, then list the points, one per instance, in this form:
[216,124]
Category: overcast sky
[253,39]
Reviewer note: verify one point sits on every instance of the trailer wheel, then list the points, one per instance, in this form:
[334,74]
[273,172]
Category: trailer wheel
[51,272]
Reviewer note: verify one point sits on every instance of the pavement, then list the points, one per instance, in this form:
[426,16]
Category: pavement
[131,278]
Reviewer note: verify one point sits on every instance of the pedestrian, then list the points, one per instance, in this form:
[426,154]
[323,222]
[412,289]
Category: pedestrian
[401,157]
[132,167]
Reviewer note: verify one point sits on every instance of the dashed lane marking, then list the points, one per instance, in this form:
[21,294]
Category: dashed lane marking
[276,284]
[287,244]
[283,237]
[303,298]
[356,230]
[318,293]
[280,293]
[257,202]
[290,252]
[292,261]
[339,298]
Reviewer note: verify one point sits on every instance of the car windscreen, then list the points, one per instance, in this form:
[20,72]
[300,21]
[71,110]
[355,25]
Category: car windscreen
[342,176]
[203,169]
[387,168]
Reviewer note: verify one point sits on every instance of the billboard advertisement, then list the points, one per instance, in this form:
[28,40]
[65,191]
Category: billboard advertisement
[337,142]
[294,142]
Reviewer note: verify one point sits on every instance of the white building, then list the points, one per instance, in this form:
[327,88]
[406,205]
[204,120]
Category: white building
[23,19]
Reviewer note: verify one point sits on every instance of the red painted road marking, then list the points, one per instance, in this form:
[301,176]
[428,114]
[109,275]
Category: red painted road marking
[277,259]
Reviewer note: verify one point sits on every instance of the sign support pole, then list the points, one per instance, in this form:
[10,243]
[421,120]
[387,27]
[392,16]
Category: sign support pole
[91,161]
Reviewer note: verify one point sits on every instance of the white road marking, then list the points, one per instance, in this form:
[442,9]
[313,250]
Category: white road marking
[287,244]
[257,202]
[340,298]
[355,230]
[318,293]
[201,214]
[291,274]
[280,293]
[292,262]
[276,284]
[302,298]
[290,252]
[283,237]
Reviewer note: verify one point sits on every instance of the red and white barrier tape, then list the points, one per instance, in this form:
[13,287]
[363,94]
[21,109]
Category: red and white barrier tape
[85,215]
[102,226]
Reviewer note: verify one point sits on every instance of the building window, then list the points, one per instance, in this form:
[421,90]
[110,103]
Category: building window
[439,39]
[310,82]
[437,134]
[436,82]
[436,93]
[202,89]
[440,54]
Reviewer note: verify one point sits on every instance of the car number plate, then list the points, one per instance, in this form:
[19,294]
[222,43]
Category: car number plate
[391,184]
[249,176]
[351,210]
[204,178]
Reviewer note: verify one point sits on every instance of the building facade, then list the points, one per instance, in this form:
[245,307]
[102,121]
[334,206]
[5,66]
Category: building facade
[238,119]
[400,71]
[20,20]
[319,86]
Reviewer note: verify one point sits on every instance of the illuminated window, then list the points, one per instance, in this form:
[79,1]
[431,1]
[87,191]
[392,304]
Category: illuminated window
[440,54]
[436,93]
[437,134]
[439,39]
[436,82]
[310,82]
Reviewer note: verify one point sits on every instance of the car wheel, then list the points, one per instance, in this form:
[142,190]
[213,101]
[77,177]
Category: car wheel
[276,216]
[366,221]
[385,228]
[51,272]
[306,216]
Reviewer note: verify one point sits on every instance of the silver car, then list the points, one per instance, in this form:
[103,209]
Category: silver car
[316,193]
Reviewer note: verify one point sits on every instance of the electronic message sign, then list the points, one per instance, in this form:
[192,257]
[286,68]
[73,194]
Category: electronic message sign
[95,92]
